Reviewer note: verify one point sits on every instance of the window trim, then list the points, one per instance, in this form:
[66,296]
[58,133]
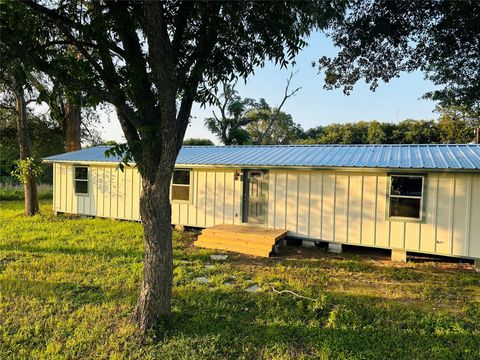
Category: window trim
[87,180]
[190,183]
[421,198]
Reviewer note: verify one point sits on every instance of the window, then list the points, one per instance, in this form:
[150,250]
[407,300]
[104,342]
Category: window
[406,197]
[181,185]
[81,180]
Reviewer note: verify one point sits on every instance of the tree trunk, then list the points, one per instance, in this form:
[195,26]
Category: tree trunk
[156,289]
[71,123]
[30,186]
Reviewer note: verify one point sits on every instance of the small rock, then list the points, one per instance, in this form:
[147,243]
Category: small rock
[228,283]
[219,257]
[254,288]
[202,280]
[209,266]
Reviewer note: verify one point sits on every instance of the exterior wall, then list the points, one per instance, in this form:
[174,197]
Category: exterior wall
[216,195]
[350,208]
[335,206]
[111,192]
[216,199]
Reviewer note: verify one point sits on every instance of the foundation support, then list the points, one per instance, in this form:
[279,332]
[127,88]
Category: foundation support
[476,264]
[179,227]
[336,248]
[308,243]
[399,255]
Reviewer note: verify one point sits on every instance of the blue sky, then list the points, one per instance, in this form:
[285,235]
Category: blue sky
[312,106]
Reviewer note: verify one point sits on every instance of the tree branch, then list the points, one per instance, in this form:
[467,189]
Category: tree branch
[180,25]
[135,62]
[274,118]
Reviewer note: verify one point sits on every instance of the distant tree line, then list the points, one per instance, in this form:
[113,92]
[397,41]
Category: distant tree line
[454,125]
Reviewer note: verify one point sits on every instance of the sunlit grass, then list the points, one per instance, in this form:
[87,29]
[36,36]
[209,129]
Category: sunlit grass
[68,286]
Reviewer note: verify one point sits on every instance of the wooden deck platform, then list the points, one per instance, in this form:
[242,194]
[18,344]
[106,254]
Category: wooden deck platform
[244,239]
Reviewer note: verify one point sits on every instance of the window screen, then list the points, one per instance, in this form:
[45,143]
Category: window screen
[406,197]
[181,185]
[81,180]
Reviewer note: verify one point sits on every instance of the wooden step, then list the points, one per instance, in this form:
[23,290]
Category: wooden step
[242,250]
[246,231]
[235,239]
[235,242]
[245,239]
[240,236]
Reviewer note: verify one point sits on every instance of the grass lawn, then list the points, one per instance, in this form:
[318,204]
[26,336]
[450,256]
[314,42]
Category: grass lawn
[68,287]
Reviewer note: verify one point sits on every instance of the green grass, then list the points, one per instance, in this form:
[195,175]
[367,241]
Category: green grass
[68,287]
[10,192]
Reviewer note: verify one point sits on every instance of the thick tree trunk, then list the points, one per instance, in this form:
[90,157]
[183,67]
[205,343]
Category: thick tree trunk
[156,289]
[71,124]
[30,186]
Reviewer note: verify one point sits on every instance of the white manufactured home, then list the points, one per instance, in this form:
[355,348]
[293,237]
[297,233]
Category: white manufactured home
[417,198]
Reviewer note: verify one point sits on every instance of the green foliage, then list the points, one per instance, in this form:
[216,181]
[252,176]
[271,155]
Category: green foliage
[378,40]
[198,141]
[244,121]
[457,124]
[68,286]
[229,125]
[25,169]
[263,130]
[112,52]
[46,139]
[453,126]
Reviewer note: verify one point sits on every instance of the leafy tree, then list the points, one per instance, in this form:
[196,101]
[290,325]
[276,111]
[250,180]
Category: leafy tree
[374,132]
[377,133]
[197,141]
[241,118]
[151,61]
[73,111]
[39,128]
[229,124]
[14,99]
[270,127]
[379,39]
[416,132]
[457,125]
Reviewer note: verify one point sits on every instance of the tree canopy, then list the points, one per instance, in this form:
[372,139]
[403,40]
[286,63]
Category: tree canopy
[198,142]
[379,39]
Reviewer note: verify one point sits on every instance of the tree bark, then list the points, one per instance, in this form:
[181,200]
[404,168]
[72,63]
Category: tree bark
[23,137]
[154,301]
[71,123]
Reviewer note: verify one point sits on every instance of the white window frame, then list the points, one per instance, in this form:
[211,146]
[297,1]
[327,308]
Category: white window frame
[190,187]
[84,180]
[421,198]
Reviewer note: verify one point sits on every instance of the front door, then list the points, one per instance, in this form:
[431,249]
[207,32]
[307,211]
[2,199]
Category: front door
[255,192]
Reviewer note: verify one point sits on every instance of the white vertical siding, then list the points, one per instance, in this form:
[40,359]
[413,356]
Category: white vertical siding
[351,208]
[336,206]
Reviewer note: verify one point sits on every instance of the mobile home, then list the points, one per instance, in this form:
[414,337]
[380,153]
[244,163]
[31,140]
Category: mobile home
[417,198]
